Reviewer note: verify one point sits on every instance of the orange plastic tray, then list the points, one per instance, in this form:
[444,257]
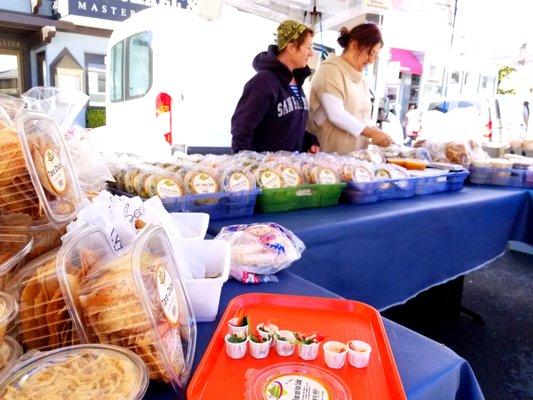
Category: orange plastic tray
[219,377]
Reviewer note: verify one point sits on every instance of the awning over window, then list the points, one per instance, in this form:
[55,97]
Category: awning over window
[408,61]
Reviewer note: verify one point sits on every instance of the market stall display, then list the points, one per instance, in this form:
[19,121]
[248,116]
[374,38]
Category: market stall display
[275,375]
[83,371]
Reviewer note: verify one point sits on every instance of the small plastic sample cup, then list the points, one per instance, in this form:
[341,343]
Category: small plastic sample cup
[308,352]
[260,350]
[240,330]
[335,354]
[286,347]
[267,335]
[359,353]
[235,350]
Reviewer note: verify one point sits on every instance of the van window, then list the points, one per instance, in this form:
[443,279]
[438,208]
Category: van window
[139,64]
[117,68]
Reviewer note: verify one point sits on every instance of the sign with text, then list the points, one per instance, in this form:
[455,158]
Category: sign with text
[114,10]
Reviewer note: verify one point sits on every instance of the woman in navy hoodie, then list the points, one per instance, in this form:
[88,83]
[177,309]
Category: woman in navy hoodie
[272,112]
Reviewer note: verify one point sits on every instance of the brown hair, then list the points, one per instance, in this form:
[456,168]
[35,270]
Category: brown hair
[299,41]
[365,35]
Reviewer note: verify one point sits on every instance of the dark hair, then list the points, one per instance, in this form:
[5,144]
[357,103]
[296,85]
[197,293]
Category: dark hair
[365,35]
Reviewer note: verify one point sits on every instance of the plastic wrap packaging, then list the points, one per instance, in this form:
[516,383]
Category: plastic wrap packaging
[90,167]
[60,104]
[261,249]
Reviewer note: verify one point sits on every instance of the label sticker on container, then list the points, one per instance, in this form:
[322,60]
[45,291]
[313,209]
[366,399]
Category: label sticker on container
[167,188]
[383,173]
[327,176]
[304,192]
[238,182]
[362,175]
[55,171]
[292,387]
[204,183]
[270,179]
[167,295]
[291,177]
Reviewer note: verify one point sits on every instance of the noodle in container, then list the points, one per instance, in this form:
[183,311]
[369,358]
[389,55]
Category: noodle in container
[90,371]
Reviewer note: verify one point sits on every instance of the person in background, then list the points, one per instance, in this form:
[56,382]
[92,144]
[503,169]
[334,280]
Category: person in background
[272,112]
[340,104]
[412,123]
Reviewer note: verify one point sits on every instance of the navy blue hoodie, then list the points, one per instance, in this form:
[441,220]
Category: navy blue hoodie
[269,117]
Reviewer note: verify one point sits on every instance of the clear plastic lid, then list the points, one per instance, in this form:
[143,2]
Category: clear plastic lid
[293,380]
[13,249]
[134,299]
[75,372]
[50,167]
[10,350]
[46,237]
[8,312]
[43,322]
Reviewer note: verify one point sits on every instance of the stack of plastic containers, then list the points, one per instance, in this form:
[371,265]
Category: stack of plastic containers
[86,293]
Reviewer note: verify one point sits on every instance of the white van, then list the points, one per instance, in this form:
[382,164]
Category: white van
[175,76]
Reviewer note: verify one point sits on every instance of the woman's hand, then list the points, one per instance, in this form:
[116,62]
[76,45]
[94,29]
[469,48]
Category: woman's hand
[378,137]
[314,149]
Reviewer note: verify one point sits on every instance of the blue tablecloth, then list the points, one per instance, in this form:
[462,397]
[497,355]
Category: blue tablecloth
[428,369]
[385,253]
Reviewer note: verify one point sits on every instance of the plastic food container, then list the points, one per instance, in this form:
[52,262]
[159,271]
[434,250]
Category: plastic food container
[45,237]
[8,312]
[135,299]
[44,321]
[299,197]
[36,171]
[13,250]
[289,380]
[74,372]
[205,293]
[10,350]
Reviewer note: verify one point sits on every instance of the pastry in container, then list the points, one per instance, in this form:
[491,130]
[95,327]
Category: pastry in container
[8,312]
[10,351]
[202,180]
[13,250]
[37,176]
[159,182]
[135,299]
[236,179]
[269,176]
[44,321]
[90,371]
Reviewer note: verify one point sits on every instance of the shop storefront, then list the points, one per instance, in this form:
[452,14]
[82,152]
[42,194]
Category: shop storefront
[61,43]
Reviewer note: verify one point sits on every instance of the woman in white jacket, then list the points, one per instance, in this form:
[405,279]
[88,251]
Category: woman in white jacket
[340,105]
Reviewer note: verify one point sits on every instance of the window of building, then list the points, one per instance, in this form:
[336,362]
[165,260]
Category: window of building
[10,74]
[95,79]
[66,72]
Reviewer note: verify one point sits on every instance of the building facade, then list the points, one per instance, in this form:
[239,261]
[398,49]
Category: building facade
[61,43]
